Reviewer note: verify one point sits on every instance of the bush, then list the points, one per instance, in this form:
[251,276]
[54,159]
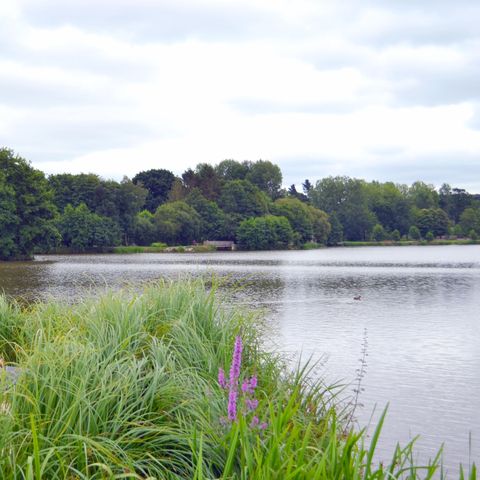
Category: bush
[414,233]
[429,236]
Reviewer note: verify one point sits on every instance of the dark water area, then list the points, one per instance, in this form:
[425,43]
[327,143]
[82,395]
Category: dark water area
[418,314]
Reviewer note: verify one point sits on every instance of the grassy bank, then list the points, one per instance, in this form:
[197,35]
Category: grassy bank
[400,243]
[128,386]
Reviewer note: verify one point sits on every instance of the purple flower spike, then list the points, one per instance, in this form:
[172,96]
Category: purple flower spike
[232,404]
[221,378]
[263,426]
[245,386]
[252,404]
[236,362]
[254,422]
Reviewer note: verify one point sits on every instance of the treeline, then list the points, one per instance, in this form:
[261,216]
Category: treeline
[239,201]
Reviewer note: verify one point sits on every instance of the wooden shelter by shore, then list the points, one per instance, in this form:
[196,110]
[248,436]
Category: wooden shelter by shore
[221,244]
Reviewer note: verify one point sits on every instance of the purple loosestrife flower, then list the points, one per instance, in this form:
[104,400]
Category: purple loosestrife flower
[221,378]
[232,404]
[248,386]
[252,404]
[236,362]
[255,421]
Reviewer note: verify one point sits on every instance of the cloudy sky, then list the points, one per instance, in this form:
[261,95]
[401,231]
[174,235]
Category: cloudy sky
[386,90]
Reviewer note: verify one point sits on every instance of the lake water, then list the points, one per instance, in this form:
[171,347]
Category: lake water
[418,317]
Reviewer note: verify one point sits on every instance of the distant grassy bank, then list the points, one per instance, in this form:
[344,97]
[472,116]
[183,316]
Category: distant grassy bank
[400,243]
[168,385]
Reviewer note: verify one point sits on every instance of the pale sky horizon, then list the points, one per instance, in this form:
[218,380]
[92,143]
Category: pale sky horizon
[376,89]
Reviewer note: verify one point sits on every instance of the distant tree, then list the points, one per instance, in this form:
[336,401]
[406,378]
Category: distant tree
[321,226]
[432,219]
[395,236]
[307,186]
[470,220]
[212,217]
[264,233]
[243,198]
[82,229]
[177,223]
[158,183]
[336,232]
[378,233]
[423,196]
[473,234]
[293,192]
[414,233]
[267,177]
[232,170]
[71,189]
[298,214]
[26,207]
[144,230]
[429,236]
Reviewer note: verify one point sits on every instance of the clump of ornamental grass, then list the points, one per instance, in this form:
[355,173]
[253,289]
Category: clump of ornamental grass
[128,386]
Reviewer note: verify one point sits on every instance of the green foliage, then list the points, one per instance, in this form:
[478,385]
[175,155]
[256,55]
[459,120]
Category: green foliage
[232,170]
[378,233]
[429,236]
[299,215]
[26,208]
[423,196]
[176,223]
[432,219]
[414,233]
[158,183]
[473,234]
[470,220]
[243,198]
[264,233]
[336,231]
[82,230]
[267,177]
[395,236]
[126,387]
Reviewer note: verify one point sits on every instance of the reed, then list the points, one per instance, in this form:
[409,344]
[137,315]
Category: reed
[126,386]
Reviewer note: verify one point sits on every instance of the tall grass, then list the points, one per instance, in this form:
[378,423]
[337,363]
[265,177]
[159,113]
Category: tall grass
[125,386]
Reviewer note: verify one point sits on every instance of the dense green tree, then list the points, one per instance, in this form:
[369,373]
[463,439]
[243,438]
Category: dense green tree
[26,207]
[414,233]
[158,183]
[264,233]
[144,230]
[267,177]
[212,217]
[470,220]
[390,205]
[321,227]
[378,233]
[423,196]
[130,200]
[299,215]
[206,179]
[232,170]
[348,199]
[336,232]
[177,223]
[70,189]
[243,198]
[82,229]
[433,220]
[396,235]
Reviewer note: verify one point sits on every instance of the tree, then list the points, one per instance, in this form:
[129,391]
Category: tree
[432,219]
[470,220]
[212,218]
[82,229]
[73,190]
[347,198]
[232,170]
[243,198]
[26,207]
[144,232]
[299,216]
[158,183]
[267,177]
[321,227]
[414,233]
[264,233]
[177,223]
[336,231]
[423,196]
[378,233]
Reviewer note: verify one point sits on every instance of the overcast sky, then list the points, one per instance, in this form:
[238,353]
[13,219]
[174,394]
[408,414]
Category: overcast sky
[385,90]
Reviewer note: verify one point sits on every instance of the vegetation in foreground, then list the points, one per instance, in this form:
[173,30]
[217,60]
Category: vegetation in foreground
[144,386]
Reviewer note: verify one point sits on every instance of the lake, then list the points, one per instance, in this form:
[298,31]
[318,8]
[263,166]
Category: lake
[417,319]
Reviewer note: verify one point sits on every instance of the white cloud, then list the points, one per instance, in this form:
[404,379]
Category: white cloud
[334,88]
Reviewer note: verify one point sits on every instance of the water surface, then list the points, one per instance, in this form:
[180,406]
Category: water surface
[418,316]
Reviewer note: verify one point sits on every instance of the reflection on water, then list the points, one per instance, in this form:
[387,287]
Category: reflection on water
[419,307]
